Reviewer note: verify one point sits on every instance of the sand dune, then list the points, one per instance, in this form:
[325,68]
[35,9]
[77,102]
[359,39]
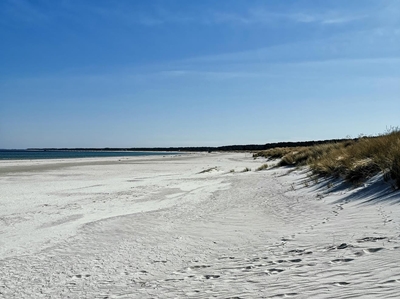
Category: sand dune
[190,227]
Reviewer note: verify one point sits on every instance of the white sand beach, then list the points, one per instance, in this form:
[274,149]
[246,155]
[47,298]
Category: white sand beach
[192,226]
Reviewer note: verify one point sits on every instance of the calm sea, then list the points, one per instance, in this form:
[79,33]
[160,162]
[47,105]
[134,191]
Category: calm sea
[33,154]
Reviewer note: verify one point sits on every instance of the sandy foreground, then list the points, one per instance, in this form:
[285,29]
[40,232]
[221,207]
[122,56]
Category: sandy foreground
[161,227]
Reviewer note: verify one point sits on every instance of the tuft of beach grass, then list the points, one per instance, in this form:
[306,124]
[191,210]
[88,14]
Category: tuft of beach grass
[354,160]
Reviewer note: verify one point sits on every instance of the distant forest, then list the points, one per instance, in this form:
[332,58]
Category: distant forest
[247,147]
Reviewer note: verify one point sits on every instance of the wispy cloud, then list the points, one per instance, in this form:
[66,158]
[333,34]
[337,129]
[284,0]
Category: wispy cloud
[212,75]
[21,11]
[156,15]
[379,43]
[389,13]
[251,17]
[262,15]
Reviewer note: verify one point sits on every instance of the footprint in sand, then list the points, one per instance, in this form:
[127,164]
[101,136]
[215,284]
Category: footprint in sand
[284,295]
[81,275]
[200,267]
[373,250]
[295,261]
[371,239]
[341,283]
[211,276]
[275,271]
[338,261]
[341,246]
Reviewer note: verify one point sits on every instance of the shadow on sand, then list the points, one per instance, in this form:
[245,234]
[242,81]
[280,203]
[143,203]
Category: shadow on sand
[375,191]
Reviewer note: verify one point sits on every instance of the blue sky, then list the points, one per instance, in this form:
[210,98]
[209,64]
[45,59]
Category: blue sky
[191,73]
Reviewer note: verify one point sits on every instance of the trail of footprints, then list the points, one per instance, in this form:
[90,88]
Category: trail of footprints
[226,274]
[228,270]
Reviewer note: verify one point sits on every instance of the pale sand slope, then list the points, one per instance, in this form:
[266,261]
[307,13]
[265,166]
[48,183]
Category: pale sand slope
[157,228]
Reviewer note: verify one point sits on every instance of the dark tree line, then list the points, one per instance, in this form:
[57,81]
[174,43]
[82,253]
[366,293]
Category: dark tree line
[246,147]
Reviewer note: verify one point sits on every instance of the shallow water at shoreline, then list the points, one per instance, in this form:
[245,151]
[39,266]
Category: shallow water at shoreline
[52,154]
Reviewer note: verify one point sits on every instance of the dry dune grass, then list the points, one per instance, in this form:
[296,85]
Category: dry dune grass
[262,167]
[276,153]
[354,160]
